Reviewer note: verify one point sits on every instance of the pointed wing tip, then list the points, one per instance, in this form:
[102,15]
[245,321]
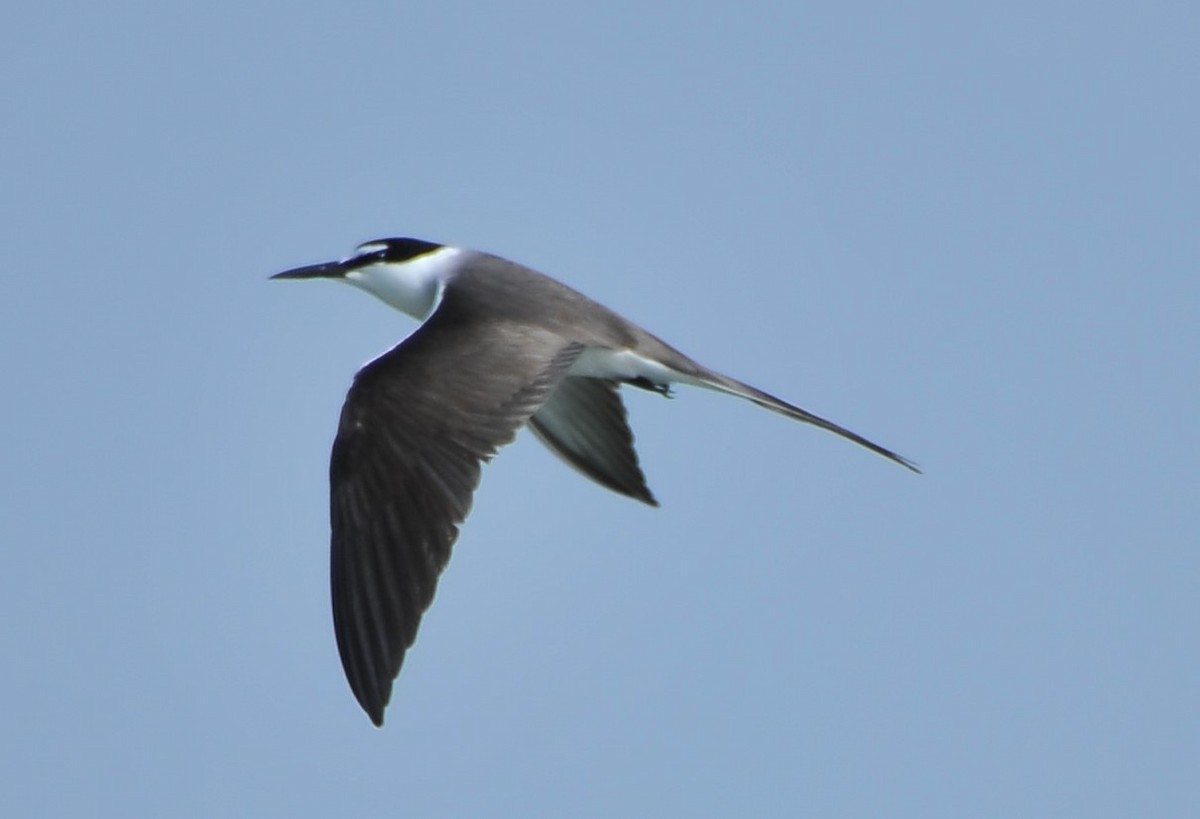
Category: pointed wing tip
[372,700]
[900,459]
[374,711]
[638,490]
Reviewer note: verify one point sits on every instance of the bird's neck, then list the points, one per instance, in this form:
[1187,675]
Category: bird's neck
[412,286]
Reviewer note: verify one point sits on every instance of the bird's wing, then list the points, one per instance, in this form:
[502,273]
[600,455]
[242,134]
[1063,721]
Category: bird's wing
[415,428]
[723,383]
[584,423]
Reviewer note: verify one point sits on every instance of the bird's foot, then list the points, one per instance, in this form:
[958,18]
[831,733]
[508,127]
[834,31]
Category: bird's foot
[643,383]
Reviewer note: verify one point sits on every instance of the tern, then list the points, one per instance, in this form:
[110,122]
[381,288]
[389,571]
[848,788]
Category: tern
[500,346]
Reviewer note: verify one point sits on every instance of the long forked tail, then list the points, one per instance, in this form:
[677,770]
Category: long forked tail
[732,386]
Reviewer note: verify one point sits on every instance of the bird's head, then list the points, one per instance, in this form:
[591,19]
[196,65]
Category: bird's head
[408,274]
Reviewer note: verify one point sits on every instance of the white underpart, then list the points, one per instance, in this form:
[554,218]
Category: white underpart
[414,286]
[599,362]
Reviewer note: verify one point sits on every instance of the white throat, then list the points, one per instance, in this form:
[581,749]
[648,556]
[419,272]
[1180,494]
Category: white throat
[413,286]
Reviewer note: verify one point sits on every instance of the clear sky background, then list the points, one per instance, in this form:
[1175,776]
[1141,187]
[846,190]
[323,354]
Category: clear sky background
[969,231]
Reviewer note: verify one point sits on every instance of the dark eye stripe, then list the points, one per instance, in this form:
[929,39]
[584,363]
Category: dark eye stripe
[364,259]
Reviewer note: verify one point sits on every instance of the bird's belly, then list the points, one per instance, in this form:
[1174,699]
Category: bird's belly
[602,362]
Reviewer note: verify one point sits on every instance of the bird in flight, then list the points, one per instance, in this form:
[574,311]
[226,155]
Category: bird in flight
[500,346]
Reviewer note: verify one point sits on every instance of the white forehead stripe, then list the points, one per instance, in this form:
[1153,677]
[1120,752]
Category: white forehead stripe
[369,247]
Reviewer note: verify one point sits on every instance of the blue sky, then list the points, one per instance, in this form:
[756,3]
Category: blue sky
[968,231]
